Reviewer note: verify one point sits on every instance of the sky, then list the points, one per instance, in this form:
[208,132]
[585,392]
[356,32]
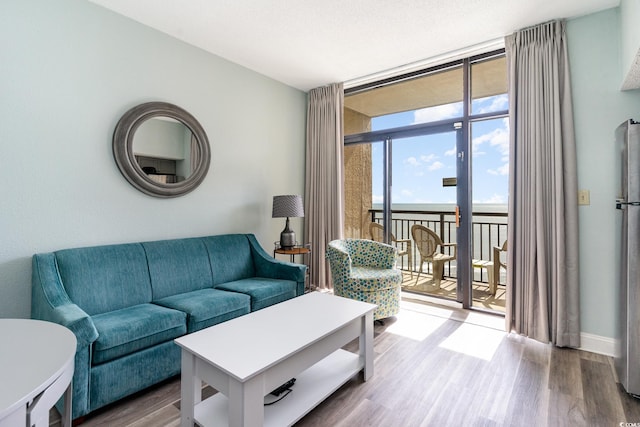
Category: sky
[420,163]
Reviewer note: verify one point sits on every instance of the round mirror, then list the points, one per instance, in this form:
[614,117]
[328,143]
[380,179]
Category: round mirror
[161,149]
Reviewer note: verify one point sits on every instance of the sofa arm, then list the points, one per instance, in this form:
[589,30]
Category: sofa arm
[267,266]
[77,321]
[50,302]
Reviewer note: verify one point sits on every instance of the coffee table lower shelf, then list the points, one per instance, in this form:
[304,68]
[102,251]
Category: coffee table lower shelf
[312,386]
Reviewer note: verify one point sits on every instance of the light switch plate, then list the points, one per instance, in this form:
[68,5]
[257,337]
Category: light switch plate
[584,197]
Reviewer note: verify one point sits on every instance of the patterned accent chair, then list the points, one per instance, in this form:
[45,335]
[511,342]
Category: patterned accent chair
[365,270]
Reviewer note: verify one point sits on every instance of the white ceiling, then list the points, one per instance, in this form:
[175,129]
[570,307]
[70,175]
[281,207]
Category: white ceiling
[311,43]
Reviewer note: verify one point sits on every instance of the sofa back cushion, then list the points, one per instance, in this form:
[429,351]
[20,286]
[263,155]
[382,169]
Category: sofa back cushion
[105,278]
[178,266]
[230,257]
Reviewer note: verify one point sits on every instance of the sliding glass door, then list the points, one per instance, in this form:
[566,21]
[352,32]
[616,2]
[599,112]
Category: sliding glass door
[424,202]
[413,202]
[490,160]
[414,148]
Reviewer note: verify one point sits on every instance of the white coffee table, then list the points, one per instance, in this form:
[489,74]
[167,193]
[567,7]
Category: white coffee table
[36,368]
[247,357]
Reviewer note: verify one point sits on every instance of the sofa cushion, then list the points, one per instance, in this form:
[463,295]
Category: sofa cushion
[177,266]
[135,328]
[105,278]
[230,257]
[263,291]
[208,307]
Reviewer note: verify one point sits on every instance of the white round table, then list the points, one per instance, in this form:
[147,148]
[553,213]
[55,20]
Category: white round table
[36,368]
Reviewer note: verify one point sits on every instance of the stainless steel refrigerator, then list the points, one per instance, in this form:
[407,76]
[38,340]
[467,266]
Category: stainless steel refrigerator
[627,361]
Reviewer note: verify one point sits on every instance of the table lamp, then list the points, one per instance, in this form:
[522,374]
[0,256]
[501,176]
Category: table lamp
[286,207]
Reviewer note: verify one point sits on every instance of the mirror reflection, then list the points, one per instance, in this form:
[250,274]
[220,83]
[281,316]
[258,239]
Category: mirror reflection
[161,149]
[165,150]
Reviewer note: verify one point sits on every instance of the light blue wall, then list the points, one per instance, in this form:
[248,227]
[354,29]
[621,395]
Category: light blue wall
[599,107]
[68,70]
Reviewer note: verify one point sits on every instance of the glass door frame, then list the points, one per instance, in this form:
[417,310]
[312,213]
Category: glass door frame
[462,126]
[463,192]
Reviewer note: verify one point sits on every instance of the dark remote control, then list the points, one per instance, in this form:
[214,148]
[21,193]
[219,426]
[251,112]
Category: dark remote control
[284,387]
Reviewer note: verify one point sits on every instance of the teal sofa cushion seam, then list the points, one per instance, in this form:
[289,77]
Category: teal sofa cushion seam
[207,307]
[135,328]
[263,291]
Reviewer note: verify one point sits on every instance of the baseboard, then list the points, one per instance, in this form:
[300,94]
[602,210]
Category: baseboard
[597,344]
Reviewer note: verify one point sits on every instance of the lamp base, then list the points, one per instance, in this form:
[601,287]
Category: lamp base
[287,237]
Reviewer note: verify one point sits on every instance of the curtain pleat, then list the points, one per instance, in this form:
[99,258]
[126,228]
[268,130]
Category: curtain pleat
[542,278]
[324,184]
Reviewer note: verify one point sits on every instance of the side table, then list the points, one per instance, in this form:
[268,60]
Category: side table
[36,368]
[301,250]
[296,250]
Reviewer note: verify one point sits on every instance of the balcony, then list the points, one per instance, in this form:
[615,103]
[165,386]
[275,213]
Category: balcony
[489,229]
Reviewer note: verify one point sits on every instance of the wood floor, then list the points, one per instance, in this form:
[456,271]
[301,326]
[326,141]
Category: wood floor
[482,297]
[440,366]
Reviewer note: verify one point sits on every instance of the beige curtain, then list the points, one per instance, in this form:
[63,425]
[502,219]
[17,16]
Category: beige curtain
[542,274]
[324,194]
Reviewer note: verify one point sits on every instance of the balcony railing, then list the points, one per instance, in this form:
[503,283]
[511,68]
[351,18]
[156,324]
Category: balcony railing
[489,229]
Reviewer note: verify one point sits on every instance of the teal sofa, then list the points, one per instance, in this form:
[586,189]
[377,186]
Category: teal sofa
[126,304]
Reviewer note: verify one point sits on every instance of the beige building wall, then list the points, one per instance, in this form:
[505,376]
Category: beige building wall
[357,180]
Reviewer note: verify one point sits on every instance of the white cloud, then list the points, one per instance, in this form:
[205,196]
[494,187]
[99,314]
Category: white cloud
[406,193]
[498,138]
[451,152]
[439,112]
[436,165]
[412,161]
[498,103]
[426,160]
[502,170]
[376,198]
[501,141]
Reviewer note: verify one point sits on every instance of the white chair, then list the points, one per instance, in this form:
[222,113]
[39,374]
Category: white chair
[487,265]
